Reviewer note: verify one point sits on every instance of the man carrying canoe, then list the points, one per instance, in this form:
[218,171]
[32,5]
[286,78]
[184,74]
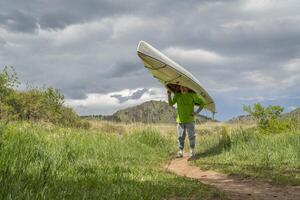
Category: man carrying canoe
[185,118]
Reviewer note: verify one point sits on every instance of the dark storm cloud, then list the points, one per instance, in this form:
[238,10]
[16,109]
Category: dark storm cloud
[136,95]
[233,47]
[58,20]
[73,12]
[60,14]
[19,21]
[124,69]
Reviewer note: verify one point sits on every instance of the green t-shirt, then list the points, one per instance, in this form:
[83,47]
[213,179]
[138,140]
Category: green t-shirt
[185,106]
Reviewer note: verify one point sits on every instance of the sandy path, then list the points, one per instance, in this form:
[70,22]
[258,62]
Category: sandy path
[233,187]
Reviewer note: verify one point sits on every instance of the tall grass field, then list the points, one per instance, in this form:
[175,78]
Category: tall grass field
[248,153]
[44,161]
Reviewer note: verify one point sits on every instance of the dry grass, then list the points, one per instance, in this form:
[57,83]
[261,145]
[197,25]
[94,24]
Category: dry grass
[169,129]
[121,128]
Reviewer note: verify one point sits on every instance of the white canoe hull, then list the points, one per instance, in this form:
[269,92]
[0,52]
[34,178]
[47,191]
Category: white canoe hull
[170,74]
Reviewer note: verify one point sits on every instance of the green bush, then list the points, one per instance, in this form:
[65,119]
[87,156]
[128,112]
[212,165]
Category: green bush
[34,104]
[268,118]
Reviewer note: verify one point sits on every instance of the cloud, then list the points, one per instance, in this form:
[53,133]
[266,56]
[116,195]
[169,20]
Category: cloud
[107,103]
[135,95]
[194,55]
[259,5]
[124,69]
[292,65]
[257,98]
[235,48]
[19,21]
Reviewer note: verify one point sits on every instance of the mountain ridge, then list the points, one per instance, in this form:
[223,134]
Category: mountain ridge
[147,112]
[161,112]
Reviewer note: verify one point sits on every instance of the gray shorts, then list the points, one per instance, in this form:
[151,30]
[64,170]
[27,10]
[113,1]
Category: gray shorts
[182,128]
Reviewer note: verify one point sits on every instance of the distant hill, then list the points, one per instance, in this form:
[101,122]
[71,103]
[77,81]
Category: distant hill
[293,114]
[242,119]
[147,112]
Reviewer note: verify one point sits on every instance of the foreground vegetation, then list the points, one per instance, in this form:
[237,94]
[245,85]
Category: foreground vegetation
[269,151]
[239,149]
[44,161]
[249,153]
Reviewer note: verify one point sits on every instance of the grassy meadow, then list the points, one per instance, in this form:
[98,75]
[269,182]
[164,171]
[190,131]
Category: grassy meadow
[248,153]
[40,160]
[45,161]
[235,148]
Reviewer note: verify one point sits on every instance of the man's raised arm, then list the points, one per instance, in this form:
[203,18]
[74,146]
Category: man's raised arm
[170,100]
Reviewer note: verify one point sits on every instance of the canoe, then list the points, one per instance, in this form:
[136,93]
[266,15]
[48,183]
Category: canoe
[171,74]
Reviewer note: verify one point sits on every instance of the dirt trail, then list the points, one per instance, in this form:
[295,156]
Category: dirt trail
[234,188]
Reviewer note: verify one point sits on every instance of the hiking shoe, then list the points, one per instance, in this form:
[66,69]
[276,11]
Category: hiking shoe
[179,154]
[192,154]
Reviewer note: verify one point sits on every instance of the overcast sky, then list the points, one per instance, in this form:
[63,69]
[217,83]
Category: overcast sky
[242,52]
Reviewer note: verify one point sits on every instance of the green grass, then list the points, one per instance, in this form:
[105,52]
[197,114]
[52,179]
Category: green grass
[41,161]
[268,157]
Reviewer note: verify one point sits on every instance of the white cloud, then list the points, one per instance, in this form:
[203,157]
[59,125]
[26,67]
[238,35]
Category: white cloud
[257,98]
[259,5]
[92,100]
[292,65]
[106,104]
[291,73]
[76,33]
[238,24]
[264,6]
[261,79]
[224,88]
[269,98]
[194,55]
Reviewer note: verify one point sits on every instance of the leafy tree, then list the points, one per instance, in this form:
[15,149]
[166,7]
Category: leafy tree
[267,118]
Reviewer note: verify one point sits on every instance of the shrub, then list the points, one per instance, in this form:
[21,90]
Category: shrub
[34,104]
[268,118]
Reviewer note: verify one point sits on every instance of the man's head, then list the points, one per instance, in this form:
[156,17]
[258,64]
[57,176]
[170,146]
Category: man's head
[184,89]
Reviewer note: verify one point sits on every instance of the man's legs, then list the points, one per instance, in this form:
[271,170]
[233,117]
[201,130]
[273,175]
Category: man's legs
[192,137]
[181,130]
